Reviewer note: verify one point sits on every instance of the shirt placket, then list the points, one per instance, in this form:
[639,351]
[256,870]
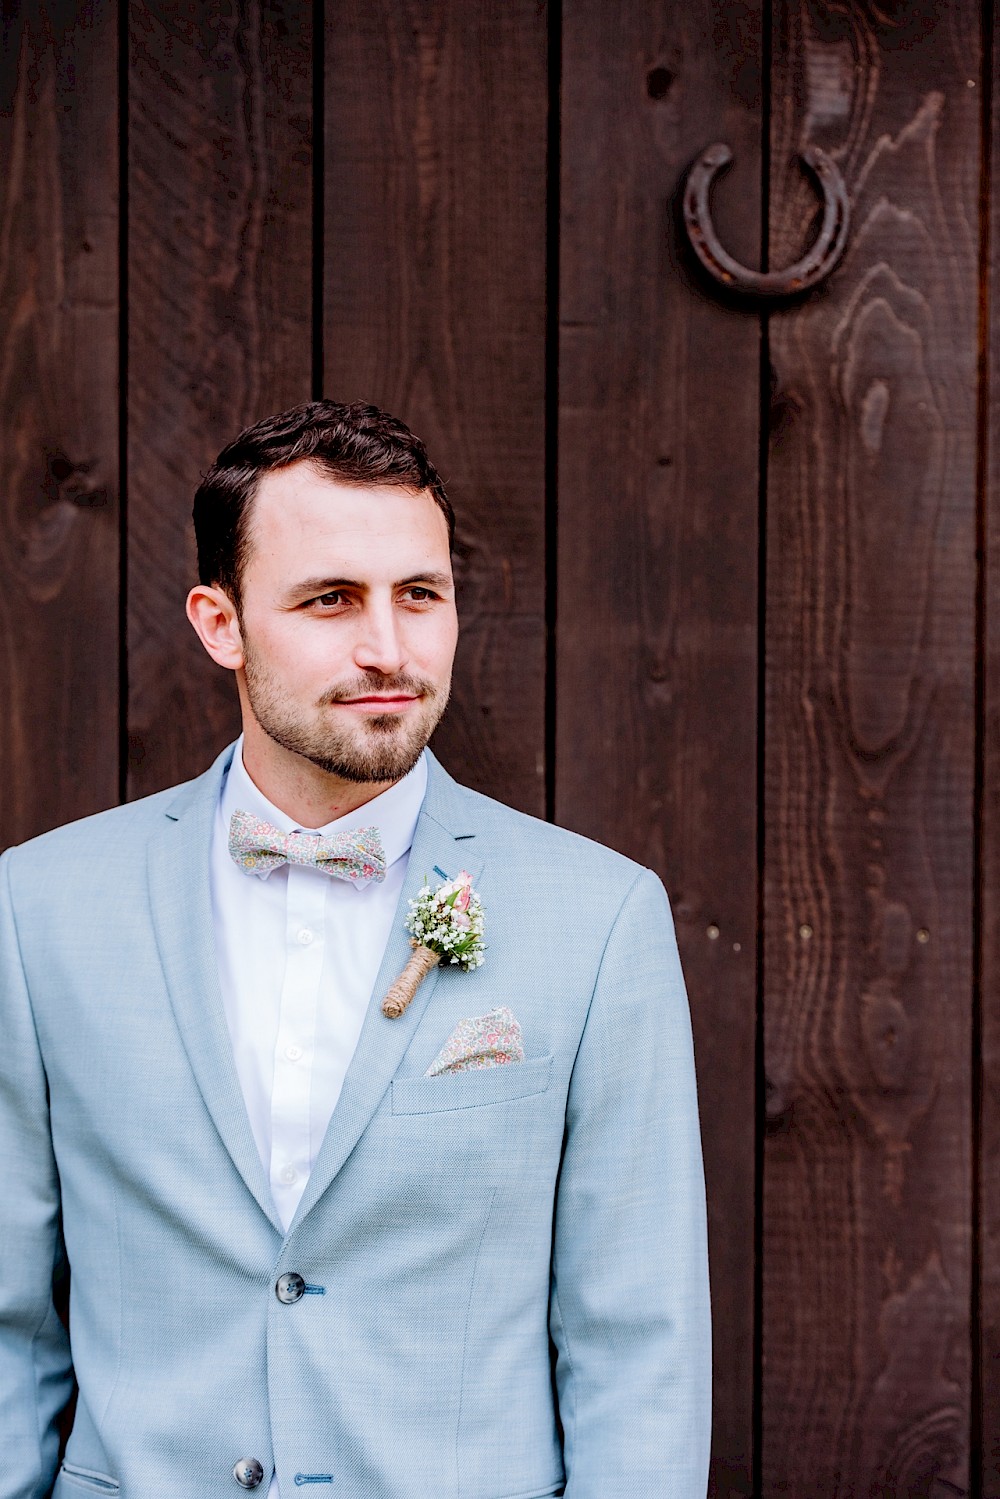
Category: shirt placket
[295,1042]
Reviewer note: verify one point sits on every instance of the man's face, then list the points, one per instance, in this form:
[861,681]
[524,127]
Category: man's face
[348,621]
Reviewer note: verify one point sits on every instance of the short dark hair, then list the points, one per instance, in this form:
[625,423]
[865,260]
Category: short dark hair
[355,444]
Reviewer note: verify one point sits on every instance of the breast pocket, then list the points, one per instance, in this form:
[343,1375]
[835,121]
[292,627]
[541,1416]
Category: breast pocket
[473,1089]
[85,1479]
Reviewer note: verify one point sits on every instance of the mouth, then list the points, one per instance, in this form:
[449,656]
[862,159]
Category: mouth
[378,703]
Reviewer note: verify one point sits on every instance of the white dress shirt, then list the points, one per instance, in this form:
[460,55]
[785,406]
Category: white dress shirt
[299,952]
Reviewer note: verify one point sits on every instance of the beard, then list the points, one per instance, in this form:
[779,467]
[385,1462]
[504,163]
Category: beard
[376,749]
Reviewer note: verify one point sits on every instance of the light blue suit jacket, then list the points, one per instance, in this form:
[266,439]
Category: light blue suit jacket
[452,1225]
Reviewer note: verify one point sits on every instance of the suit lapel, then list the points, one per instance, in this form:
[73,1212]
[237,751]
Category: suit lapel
[442,843]
[181,903]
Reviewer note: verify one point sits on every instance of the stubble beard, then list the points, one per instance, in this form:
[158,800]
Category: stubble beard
[379,748]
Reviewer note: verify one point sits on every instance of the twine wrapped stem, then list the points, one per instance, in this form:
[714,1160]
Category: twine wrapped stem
[421,962]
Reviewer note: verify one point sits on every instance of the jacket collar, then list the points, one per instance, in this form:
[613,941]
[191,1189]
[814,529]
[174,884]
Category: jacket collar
[446,801]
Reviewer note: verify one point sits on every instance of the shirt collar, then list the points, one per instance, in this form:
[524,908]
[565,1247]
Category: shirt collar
[393,812]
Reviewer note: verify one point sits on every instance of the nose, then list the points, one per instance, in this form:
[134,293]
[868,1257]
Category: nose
[379,646]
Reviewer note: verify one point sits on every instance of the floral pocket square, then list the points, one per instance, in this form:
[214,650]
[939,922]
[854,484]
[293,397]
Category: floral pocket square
[491,1040]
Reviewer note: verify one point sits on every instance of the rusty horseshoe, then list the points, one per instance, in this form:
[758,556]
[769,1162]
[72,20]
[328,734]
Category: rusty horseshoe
[817,262]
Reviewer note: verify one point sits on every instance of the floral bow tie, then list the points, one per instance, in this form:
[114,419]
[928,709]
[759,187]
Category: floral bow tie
[258,847]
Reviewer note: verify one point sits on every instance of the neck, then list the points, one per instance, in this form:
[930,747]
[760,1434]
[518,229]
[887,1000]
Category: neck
[310,796]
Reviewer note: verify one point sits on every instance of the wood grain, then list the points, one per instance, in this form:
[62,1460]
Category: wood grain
[434,302]
[870,725]
[988,1349]
[58,415]
[220,286]
[657,587]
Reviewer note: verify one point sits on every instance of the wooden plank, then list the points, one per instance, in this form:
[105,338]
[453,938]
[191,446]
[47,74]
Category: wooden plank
[989,980]
[434,293]
[870,724]
[220,287]
[58,415]
[657,601]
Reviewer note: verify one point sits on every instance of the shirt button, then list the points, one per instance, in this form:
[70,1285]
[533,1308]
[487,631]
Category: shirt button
[293,1053]
[305,936]
[288,1174]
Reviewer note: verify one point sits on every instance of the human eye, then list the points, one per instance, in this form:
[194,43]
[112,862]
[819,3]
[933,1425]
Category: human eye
[335,599]
[418,593]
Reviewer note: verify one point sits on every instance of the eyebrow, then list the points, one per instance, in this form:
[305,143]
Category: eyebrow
[330,585]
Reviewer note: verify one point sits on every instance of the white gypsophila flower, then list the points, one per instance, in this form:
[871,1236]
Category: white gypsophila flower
[449,921]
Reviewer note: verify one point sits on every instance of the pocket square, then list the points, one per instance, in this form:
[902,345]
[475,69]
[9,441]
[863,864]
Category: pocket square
[491,1040]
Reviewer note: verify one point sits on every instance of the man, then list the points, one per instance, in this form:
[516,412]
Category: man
[454,1254]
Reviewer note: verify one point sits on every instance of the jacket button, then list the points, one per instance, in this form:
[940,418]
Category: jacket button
[248,1473]
[290,1288]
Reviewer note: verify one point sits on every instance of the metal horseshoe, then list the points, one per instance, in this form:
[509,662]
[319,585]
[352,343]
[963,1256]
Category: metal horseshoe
[814,266]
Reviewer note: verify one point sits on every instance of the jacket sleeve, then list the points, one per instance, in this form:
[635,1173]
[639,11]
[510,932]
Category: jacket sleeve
[35,1367]
[629,1305]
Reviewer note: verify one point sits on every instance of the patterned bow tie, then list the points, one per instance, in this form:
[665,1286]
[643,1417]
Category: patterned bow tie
[258,847]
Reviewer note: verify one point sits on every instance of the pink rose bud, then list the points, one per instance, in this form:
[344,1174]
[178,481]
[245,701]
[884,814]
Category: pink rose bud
[462,898]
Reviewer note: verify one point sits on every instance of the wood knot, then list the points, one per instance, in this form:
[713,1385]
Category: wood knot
[69,483]
[659,82]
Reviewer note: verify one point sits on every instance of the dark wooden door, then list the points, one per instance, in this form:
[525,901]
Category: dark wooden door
[729,574]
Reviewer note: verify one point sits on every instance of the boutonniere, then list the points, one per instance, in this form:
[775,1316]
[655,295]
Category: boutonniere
[445,926]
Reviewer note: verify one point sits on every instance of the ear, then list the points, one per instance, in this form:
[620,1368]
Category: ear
[213,615]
